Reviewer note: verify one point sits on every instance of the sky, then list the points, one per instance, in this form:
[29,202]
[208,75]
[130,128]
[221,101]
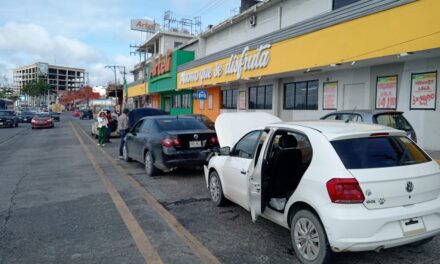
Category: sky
[88,34]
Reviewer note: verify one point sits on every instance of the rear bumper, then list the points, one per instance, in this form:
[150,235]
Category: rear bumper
[187,158]
[355,228]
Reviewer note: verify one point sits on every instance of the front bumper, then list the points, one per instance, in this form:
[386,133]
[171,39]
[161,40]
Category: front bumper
[6,123]
[355,228]
[46,125]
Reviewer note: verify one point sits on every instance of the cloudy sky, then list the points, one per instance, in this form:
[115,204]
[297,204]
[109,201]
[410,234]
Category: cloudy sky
[87,33]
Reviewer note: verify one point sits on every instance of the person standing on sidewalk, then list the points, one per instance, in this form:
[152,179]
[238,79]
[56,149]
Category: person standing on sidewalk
[102,128]
[123,129]
[108,131]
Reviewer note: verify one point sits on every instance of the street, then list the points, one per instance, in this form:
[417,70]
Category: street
[65,200]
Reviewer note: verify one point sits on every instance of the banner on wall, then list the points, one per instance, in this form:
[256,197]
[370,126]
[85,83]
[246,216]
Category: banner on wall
[330,101]
[386,92]
[423,91]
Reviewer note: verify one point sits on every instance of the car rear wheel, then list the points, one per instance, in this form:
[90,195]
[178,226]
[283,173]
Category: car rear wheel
[125,153]
[216,190]
[309,239]
[149,165]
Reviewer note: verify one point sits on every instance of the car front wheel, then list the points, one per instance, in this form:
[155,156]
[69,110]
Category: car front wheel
[125,153]
[309,239]
[216,190]
[149,165]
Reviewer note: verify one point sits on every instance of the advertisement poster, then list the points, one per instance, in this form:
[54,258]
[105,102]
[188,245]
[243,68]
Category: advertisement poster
[242,100]
[423,90]
[386,92]
[330,101]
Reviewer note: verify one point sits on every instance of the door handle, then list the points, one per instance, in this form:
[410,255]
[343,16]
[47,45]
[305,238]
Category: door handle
[243,172]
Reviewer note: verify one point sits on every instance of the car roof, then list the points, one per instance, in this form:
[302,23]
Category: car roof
[366,111]
[334,129]
[166,117]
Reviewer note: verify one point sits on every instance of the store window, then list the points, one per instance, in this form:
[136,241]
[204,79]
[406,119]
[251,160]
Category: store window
[341,3]
[177,102]
[260,97]
[229,99]
[186,101]
[301,95]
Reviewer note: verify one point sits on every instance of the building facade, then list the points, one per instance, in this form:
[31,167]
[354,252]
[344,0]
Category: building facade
[300,60]
[60,78]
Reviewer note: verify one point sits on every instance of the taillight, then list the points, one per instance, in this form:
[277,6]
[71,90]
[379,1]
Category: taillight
[170,142]
[345,191]
[213,140]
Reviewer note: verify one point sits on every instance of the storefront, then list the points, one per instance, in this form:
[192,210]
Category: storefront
[209,106]
[354,64]
[162,83]
[137,94]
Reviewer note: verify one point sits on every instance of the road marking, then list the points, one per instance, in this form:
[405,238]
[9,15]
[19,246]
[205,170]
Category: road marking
[140,238]
[196,246]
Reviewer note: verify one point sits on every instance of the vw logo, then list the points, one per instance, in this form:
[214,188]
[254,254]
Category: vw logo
[409,186]
[196,136]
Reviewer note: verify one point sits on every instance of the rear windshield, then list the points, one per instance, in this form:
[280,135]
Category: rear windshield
[396,121]
[179,124]
[6,113]
[378,152]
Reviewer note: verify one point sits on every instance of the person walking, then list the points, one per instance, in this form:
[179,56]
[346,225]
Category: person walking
[108,131]
[102,128]
[123,129]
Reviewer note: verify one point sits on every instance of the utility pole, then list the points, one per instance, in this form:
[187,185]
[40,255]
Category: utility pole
[124,92]
[113,68]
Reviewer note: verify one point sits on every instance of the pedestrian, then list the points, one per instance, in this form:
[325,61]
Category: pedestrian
[123,129]
[108,132]
[102,128]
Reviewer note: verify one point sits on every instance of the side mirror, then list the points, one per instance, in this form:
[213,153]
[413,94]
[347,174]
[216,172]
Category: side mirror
[225,151]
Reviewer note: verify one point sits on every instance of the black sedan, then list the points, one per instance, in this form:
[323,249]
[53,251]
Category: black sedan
[168,142]
[8,118]
[55,116]
[25,116]
[86,114]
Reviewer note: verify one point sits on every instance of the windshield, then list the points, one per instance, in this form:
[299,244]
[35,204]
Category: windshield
[42,116]
[394,120]
[378,152]
[179,124]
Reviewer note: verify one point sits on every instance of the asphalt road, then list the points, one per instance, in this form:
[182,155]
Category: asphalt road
[65,200]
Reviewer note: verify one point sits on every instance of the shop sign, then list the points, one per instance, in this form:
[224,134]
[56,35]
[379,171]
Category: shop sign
[423,90]
[237,64]
[145,25]
[330,95]
[161,66]
[386,92]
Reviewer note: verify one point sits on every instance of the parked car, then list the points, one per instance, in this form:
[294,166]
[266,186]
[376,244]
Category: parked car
[25,116]
[42,120]
[337,186]
[202,118]
[86,114]
[56,116]
[167,142]
[8,118]
[391,118]
[138,113]
[76,113]
[113,126]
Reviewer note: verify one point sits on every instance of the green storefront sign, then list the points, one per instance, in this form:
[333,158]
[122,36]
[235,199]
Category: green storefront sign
[163,80]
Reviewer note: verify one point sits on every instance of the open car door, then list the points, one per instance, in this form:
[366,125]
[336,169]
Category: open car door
[255,190]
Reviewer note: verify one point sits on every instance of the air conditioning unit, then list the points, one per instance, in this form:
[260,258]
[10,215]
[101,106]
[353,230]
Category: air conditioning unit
[253,20]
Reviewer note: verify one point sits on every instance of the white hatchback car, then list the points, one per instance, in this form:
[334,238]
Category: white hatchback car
[337,186]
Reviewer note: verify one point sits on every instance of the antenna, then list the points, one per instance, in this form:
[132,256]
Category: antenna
[352,112]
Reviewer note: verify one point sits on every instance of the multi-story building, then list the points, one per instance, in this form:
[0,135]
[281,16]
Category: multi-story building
[60,78]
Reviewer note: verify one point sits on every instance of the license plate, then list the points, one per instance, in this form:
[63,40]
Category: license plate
[195,144]
[413,226]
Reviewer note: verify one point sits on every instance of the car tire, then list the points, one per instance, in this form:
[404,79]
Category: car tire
[125,154]
[150,170]
[314,239]
[422,242]
[216,190]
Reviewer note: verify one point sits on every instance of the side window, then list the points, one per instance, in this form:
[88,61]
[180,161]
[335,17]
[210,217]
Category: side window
[146,128]
[331,117]
[137,127]
[301,143]
[245,148]
[351,117]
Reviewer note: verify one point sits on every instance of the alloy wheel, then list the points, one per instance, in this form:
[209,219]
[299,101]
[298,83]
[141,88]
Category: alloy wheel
[306,238]
[214,188]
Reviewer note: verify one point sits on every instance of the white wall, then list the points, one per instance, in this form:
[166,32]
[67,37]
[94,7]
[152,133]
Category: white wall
[278,16]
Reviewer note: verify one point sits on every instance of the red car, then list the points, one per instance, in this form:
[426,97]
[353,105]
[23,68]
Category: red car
[76,113]
[42,121]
